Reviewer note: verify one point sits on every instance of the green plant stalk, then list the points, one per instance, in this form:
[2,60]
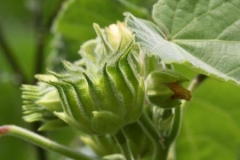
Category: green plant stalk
[43,142]
[160,151]
[124,145]
[175,127]
[179,112]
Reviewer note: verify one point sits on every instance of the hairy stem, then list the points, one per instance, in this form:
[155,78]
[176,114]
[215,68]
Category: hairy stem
[40,141]
[124,145]
[178,111]
[160,151]
[175,127]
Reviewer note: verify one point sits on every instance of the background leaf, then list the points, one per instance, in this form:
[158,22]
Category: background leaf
[202,34]
[74,23]
[17,22]
[211,128]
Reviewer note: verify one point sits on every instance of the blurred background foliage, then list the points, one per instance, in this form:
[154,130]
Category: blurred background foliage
[29,44]
[210,130]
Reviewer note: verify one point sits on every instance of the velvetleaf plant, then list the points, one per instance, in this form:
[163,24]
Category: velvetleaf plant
[117,88]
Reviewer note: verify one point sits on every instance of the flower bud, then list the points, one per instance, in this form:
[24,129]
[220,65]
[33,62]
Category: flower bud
[164,88]
[105,101]
[99,94]
[118,34]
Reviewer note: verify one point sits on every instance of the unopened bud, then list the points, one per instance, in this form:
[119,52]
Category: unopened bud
[164,88]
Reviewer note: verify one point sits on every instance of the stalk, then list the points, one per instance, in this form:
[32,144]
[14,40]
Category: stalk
[11,130]
[124,145]
[160,151]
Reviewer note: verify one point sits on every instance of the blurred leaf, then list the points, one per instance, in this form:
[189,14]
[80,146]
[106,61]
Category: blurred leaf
[14,11]
[211,128]
[12,148]
[203,35]
[74,23]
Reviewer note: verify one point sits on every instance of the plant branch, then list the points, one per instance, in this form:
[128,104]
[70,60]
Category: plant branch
[39,56]
[8,53]
[196,82]
[54,14]
[178,111]
[42,32]
[124,145]
[43,142]
[40,35]
[160,151]
[199,79]
[175,127]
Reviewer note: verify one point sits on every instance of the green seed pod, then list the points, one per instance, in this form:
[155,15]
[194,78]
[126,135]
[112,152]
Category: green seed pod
[104,102]
[99,94]
[164,88]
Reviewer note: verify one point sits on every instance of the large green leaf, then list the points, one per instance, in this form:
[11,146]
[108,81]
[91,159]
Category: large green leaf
[211,128]
[203,34]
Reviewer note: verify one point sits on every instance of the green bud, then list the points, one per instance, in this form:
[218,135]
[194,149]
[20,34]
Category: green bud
[164,88]
[118,34]
[99,94]
[104,102]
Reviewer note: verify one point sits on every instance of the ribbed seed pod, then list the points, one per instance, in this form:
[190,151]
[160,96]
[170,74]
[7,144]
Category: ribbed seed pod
[100,93]
[104,102]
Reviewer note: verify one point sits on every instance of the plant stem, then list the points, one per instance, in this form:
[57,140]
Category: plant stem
[124,145]
[196,82]
[40,35]
[178,111]
[8,53]
[175,127]
[160,151]
[41,141]
[193,85]
[41,31]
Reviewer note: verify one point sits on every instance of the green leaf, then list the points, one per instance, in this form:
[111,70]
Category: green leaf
[211,128]
[203,35]
[76,18]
